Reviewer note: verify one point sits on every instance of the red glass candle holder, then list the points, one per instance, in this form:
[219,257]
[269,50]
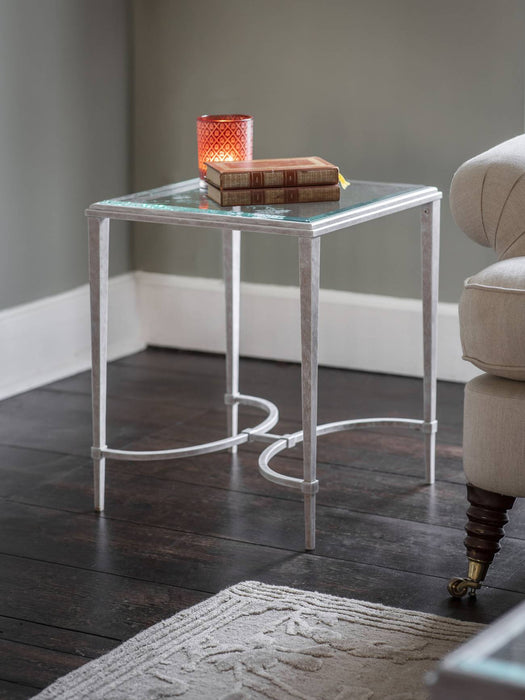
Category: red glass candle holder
[223,137]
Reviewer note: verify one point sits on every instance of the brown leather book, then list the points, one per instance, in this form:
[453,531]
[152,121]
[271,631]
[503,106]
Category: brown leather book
[272,172]
[274,195]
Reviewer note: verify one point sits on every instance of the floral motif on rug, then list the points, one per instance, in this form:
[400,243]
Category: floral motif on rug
[259,642]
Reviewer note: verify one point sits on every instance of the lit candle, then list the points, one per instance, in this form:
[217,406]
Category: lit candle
[223,137]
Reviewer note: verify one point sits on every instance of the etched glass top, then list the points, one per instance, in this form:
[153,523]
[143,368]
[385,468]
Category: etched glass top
[187,197]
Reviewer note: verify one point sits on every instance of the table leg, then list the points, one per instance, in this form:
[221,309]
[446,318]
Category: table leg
[98,284]
[430,279]
[309,258]
[231,252]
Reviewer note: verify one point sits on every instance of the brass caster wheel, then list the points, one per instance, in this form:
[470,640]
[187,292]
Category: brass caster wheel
[458,587]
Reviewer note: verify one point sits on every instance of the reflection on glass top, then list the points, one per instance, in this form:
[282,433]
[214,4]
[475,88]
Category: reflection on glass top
[189,198]
[506,663]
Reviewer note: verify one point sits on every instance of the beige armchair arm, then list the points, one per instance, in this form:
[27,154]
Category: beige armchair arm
[487,198]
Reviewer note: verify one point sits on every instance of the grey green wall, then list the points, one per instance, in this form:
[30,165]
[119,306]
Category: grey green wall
[64,138]
[397,90]
[388,89]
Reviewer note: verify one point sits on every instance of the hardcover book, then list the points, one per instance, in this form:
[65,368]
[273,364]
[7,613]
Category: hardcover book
[274,195]
[273,172]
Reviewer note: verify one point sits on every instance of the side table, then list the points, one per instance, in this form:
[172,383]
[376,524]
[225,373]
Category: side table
[184,204]
[490,666]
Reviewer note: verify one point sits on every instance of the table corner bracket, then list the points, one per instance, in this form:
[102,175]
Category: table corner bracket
[98,452]
[310,487]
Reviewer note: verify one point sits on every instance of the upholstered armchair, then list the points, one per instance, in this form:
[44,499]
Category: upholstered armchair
[487,199]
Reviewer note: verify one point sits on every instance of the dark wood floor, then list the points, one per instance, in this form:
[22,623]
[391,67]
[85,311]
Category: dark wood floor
[74,585]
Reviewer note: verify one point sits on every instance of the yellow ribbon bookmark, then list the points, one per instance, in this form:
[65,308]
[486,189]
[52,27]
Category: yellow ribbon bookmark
[343,181]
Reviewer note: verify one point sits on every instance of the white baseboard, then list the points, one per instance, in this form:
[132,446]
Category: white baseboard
[49,339]
[357,331]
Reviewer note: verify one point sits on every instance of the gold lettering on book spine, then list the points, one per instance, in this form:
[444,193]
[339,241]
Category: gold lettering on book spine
[257,196]
[256,179]
[291,195]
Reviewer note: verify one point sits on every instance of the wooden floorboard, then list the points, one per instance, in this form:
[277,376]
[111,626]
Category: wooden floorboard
[73,584]
[55,638]
[16,691]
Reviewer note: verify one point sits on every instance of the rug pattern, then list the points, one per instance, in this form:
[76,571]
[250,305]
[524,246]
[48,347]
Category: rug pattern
[259,642]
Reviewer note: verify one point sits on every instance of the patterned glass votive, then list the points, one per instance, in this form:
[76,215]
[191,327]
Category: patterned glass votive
[223,137]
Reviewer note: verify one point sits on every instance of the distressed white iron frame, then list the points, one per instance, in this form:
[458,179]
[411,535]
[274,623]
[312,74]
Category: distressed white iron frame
[309,234]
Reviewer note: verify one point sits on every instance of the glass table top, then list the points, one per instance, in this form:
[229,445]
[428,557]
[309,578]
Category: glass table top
[188,197]
[505,663]
[495,656]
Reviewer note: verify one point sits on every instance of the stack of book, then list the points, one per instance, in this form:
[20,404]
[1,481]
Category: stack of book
[272,181]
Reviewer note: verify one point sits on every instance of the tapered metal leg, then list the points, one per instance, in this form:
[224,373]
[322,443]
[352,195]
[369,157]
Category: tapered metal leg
[430,280]
[231,252]
[309,257]
[98,284]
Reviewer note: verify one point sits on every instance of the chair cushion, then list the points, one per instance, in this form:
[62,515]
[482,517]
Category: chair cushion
[487,198]
[492,319]
[494,436]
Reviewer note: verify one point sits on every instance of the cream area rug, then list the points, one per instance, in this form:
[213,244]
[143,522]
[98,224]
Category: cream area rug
[255,641]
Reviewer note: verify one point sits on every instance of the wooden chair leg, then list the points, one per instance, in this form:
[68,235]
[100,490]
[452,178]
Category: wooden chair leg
[487,516]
